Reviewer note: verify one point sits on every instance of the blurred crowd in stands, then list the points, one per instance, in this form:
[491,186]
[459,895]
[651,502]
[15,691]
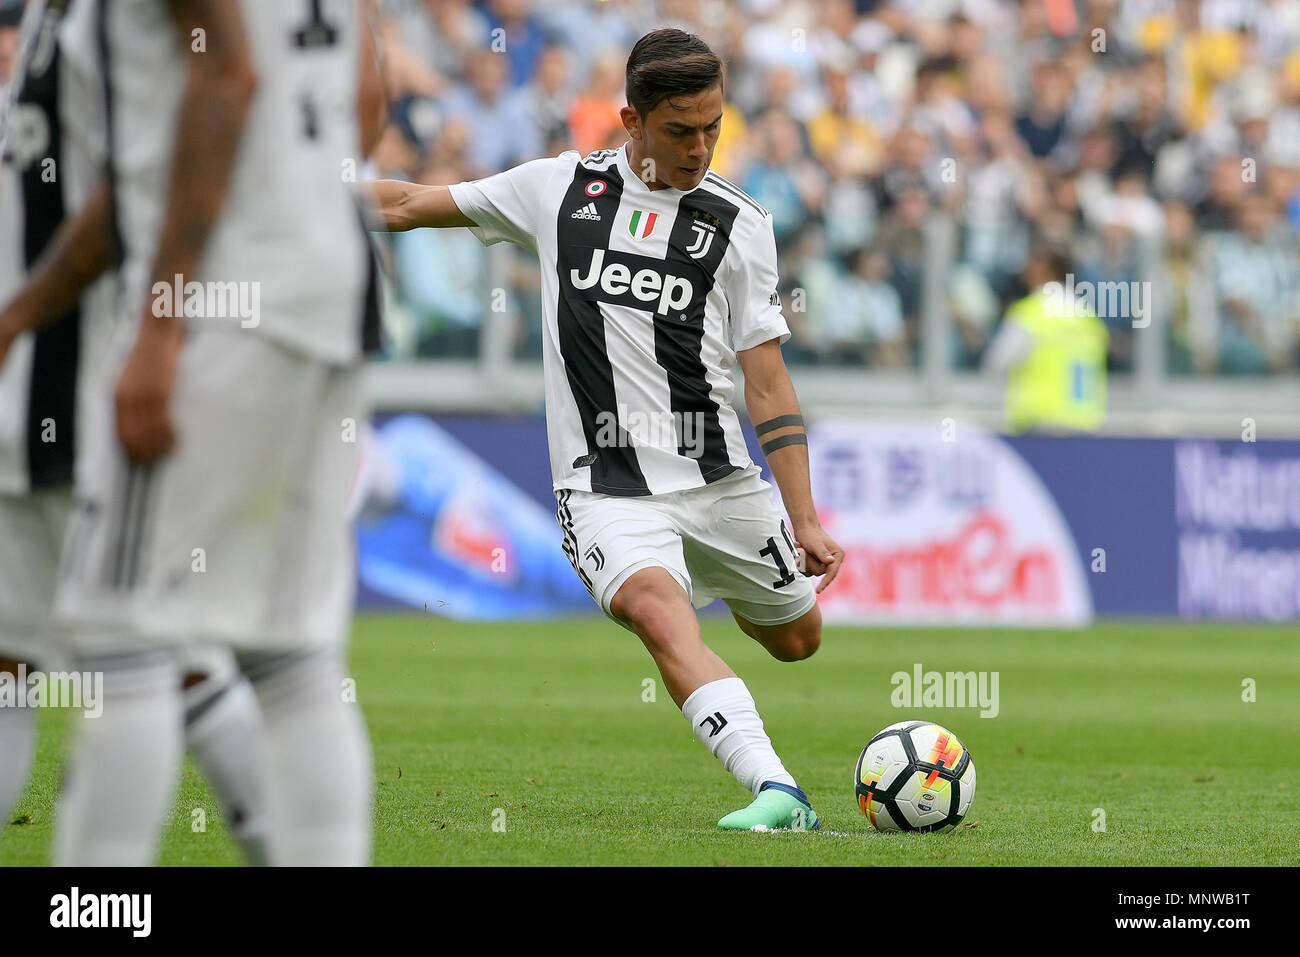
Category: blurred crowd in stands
[1148,141]
[1151,141]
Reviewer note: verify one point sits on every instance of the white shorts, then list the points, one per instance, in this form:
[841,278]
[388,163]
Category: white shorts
[240,536]
[725,540]
[32,531]
[31,536]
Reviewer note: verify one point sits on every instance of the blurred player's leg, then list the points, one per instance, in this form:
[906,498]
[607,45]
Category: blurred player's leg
[319,751]
[321,788]
[125,764]
[17,745]
[257,560]
[31,534]
[224,733]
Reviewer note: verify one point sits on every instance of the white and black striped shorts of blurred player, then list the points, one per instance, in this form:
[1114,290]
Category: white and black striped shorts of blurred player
[240,536]
[32,533]
[31,538]
[725,540]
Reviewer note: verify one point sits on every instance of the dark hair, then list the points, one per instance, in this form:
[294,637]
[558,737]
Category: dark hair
[667,63]
[1051,256]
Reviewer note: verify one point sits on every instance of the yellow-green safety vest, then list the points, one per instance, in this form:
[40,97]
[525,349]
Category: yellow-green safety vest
[1061,383]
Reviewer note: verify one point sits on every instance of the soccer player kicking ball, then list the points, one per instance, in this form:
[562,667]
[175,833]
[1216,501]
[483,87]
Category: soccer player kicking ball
[657,274]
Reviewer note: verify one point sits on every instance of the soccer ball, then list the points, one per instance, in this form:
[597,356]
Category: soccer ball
[914,776]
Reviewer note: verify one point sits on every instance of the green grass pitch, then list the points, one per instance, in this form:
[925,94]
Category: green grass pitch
[542,730]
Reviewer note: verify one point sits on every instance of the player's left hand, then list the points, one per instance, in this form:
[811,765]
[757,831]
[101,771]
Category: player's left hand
[143,394]
[824,556]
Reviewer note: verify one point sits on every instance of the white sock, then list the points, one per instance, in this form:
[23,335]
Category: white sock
[17,745]
[125,766]
[725,718]
[223,730]
[322,776]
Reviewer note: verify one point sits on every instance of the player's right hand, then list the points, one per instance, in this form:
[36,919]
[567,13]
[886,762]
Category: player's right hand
[822,556]
[143,395]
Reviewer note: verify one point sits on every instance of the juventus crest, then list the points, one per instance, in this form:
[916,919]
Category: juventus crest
[703,239]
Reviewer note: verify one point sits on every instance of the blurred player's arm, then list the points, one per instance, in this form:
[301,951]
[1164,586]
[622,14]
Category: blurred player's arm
[209,125]
[79,253]
[406,206]
[372,104]
[774,408]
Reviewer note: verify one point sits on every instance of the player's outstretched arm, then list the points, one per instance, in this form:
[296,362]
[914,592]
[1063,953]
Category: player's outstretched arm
[774,407]
[406,206]
[75,257]
[372,105]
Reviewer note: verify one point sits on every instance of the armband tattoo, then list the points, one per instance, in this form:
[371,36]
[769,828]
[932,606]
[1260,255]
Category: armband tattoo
[780,422]
[798,438]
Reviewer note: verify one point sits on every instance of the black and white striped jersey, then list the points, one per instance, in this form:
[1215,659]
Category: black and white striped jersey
[289,258]
[52,141]
[647,297]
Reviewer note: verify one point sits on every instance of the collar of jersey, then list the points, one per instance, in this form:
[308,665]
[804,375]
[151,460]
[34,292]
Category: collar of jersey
[639,185]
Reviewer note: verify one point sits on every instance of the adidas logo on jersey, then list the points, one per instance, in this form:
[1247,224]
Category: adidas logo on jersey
[587,212]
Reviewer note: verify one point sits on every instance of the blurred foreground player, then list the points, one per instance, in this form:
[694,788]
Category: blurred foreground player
[51,168]
[657,276]
[215,511]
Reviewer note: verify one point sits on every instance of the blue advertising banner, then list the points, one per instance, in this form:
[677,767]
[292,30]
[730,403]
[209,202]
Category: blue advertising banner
[457,515]
[440,528]
[1115,495]
[1189,528]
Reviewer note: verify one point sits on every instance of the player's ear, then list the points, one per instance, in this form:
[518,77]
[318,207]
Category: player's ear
[631,122]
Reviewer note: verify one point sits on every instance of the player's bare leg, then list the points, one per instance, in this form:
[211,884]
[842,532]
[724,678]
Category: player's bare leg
[17,744]
[717,704]
[653,605]
[792,641]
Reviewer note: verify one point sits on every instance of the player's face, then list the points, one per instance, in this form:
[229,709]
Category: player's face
[674,143]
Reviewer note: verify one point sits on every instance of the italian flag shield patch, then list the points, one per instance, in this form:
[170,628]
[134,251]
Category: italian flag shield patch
[642,224]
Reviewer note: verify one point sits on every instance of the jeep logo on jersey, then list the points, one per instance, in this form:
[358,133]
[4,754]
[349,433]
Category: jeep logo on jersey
[631,280]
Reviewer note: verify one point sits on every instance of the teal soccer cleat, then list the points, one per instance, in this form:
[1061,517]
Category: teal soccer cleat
[778,807]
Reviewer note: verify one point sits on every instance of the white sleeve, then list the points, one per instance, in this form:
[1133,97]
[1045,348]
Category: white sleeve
[752,290]
[1009,347]
[507,206]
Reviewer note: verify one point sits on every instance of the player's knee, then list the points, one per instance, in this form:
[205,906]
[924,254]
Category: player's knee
[645,613]
[799,639]
[649,609]
[796,646]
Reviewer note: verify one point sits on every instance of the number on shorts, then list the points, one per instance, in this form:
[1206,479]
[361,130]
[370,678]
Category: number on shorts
[782,568]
